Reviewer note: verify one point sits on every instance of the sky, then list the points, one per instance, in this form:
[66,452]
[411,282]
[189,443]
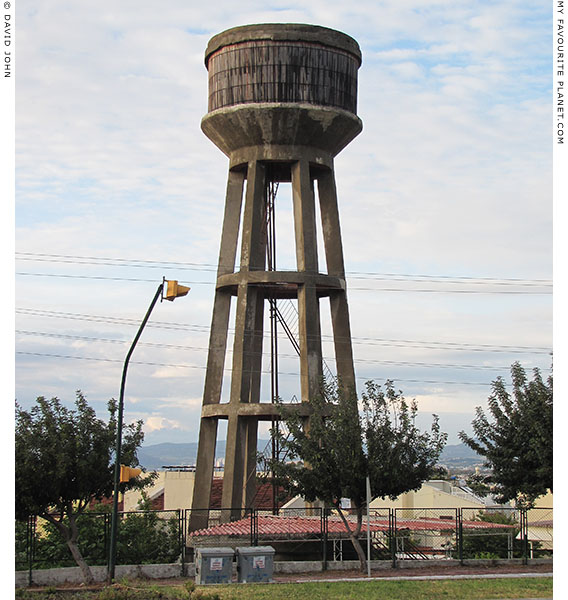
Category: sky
[445,201]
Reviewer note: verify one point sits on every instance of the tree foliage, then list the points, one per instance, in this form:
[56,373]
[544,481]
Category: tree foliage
[145,537]
[65,460]
[330,457]
[491,543]
[479,484]
[516,437]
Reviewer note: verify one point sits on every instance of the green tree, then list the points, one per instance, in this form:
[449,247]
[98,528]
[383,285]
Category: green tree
[491,543]
[65,460]
[331,455]
[51,549]
[479,484]
[517,441]
[147,537]
[441,472]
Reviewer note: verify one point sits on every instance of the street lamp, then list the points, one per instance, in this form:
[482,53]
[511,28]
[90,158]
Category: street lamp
[173,290]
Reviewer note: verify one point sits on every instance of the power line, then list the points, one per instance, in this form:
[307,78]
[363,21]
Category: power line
[393,363]
[110,319]
[460,278]
[114,262]
[432,291]
[351,288]
[126,261]
[183,366]
[104,278]
[430,344]
[140,263]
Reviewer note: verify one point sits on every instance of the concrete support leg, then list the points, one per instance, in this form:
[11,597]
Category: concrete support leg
[232,498]
[211,395]
[249,304]
[342,341]
[217,350]
[204,474]
[240,453]
[252,424]
[307,261]
[250,461]
[335,266]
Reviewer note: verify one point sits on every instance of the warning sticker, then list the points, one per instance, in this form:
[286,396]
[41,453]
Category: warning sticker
[216,564]
[258,562]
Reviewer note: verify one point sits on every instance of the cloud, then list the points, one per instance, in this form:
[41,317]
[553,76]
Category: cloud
[442,401]
[155,423]
[450,176]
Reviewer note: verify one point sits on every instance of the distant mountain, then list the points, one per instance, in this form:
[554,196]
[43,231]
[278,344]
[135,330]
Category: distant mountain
[459,451]
[460,456]
[169,454]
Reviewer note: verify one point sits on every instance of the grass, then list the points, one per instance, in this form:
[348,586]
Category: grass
[466,589]
[462,589]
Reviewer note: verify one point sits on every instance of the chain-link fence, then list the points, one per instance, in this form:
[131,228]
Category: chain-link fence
[298,532]
[39,543]
[144,537]
[380,533]
[538,525]
[492,533]
[401,534]
[425,533]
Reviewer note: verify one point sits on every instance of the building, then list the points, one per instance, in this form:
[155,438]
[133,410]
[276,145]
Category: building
[434,494]
[539,524]
[173,490]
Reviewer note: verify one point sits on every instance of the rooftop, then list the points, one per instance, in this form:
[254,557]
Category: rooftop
[290,527]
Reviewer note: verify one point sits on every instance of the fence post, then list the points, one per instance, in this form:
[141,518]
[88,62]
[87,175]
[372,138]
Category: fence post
[253,527]
[459,532]
[392,535]
[181,525]
[256,527]
[524,535]
[31,529]
[106,529]
[324,522]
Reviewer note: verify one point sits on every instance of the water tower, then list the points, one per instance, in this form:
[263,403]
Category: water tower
[282,104]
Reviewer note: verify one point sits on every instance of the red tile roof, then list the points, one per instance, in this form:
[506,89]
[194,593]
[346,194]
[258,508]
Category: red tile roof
[547,523]
[106,501]
[301,526]
[263,499]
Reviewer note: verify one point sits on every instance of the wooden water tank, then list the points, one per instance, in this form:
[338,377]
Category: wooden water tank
[283,63]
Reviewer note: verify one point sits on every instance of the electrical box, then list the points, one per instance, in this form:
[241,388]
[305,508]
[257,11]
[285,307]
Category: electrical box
[255,564]
[214,565]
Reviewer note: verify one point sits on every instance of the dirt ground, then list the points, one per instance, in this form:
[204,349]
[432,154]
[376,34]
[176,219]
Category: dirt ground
[416,572]
[435,570]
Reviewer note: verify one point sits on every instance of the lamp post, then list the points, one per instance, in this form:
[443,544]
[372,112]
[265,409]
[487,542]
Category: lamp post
[368,490]
[173,290]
